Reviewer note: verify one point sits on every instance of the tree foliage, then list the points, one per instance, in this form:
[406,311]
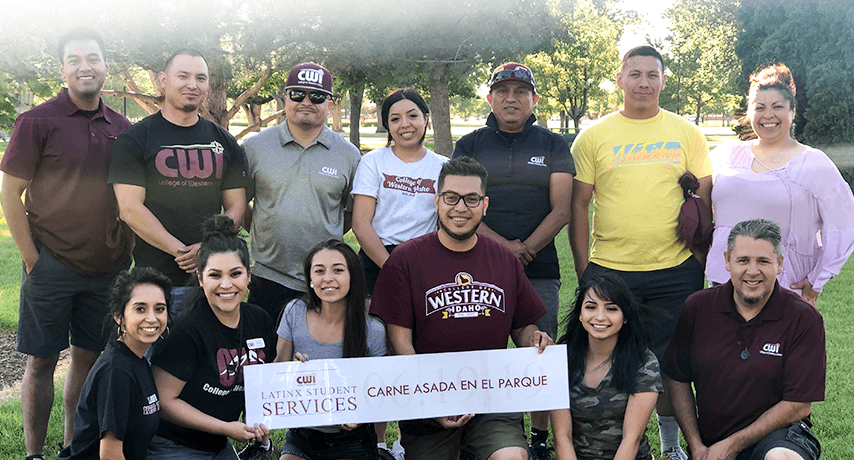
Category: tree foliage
[703,63]
[814,39]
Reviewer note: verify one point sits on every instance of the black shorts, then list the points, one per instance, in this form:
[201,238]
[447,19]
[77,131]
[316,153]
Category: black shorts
[796,437]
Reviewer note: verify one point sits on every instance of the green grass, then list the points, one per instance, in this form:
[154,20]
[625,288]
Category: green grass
[833,423]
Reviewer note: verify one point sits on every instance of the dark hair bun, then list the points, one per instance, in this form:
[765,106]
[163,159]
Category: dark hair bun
[219,226]
[775,75]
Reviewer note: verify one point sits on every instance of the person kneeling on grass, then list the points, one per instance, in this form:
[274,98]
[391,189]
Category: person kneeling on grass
[614,380]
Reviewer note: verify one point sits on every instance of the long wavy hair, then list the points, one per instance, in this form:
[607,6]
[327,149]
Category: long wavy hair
[355,343]
[632,340]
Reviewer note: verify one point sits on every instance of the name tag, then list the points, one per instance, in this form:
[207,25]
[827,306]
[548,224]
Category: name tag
[255,344]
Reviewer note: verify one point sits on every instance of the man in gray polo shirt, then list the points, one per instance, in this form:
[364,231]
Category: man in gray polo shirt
[301,173]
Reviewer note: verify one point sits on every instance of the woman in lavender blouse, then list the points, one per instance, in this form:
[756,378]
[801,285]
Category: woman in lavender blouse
[775,177]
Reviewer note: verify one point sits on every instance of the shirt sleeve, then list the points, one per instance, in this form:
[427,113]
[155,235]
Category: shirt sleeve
[116,390]
[699,162]
[367,180]
[126,162]
[392,300]
[584,157]
[805,366]
[648,379]
[376,337]
[836,212]
[463,146]
[24,150]
[235,175]
[677,359]
[285,329]
[562,161]
[529,306]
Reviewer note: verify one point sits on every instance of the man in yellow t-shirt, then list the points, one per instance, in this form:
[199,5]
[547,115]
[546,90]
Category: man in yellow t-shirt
[631,160]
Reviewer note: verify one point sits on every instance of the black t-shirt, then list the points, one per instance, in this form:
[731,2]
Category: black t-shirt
[202,352]
[184,171]
[119,396]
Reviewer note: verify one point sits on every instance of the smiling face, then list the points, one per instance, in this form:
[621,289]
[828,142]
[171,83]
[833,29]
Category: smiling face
[185,83]
[84,69]
[458,223]
[753,268]
[771,115]
[305,114]
[512,104]
[641,78]
[330,276]
[144,318]
[602,319]
[224,280]
[407,124]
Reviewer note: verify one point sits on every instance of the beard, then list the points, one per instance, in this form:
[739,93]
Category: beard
[750,300]
[459,236]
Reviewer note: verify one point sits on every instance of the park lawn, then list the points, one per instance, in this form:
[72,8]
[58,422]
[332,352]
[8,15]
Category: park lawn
[833,423]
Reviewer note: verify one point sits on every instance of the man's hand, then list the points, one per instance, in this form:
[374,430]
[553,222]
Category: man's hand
[522,252]
[30,262]
[806,291]
[187,259]
[721,450]
[700,452]
[540,340]
[454,421]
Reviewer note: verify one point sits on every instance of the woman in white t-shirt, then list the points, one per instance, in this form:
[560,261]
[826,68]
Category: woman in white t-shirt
[395,185]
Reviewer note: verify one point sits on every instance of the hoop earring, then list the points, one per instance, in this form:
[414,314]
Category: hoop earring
[163,336]
[119,331]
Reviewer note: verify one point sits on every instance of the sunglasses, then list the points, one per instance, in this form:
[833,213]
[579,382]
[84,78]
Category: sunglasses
[315,97]
[472,200]
[516,74]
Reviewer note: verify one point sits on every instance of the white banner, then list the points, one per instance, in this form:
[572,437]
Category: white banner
[364,390]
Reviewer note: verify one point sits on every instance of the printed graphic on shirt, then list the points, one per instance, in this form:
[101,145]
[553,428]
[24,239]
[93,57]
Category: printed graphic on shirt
[538,160]
[190,165]
[409,185]
[772,349]
[464,298]
[231,367]
[153,405]
[669,153]
[329,171]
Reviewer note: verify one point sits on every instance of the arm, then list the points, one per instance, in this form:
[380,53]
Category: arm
[524,253]
[638,411]
[682,399]
[284,350]
[132,210]
[234,205]
[110,448]
[16,217]
[179,412]
[401,339]
[579,228]
[778,416]
[364,207]
[560,197]
[530,336]
[562,429]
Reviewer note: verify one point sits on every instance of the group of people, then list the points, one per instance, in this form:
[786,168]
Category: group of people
[171,192]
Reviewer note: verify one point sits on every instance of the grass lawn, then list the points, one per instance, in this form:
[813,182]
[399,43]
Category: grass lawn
[832,418]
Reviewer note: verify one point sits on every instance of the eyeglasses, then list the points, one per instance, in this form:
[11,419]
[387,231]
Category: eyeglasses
[515,74]
[315,97]
[472,200]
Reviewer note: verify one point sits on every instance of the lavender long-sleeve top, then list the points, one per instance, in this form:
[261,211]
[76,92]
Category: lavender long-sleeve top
[807,197]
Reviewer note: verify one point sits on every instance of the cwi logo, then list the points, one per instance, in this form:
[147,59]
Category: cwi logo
[309,379]
[329,171]
[771,349]
[311,75]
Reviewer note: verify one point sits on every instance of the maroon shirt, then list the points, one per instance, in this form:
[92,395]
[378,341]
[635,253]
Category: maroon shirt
[455,301]
[72,211]
[787,359]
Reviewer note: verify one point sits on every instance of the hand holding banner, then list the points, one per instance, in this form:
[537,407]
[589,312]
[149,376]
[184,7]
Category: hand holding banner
[364,390]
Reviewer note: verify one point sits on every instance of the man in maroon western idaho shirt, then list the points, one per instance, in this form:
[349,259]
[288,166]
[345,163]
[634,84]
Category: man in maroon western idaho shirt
[755,354]
[67,231]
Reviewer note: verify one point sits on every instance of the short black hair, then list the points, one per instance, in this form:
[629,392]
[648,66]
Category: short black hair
[122,290]
[463,166]
[192,52]
[643,50]
[396,96]
[79,33]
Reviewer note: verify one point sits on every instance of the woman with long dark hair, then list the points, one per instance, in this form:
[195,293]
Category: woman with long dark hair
[330,322]
[199,367]
[614,380]
[118,410]
[775,177]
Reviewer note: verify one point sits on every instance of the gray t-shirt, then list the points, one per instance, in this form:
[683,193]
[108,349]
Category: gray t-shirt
[300,195]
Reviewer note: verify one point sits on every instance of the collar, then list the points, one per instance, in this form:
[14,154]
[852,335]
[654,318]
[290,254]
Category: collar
[325,138]
[492,122]
[69,108]
[772,311]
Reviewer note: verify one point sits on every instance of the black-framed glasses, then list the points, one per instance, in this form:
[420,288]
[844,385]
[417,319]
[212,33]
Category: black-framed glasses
[315,97]
[472,200]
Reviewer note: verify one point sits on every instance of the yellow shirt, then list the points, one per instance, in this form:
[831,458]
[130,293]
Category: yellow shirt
[634,166]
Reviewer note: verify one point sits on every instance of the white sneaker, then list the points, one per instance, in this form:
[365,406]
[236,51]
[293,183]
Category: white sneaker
[674,453]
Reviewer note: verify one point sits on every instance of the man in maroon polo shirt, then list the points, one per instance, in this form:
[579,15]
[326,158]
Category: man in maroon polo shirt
[67,230]
[755,354]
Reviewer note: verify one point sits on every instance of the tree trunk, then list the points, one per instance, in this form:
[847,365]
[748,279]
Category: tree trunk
[562,120]
[217,104]
[336,117]
[440,109]
[356,96]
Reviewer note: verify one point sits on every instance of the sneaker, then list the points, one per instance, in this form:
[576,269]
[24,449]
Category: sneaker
[540,451]
[674,453]
[253,450]
[385,453]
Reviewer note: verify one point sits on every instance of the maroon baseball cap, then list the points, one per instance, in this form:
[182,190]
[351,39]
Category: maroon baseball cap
[310,76]
[513,71]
